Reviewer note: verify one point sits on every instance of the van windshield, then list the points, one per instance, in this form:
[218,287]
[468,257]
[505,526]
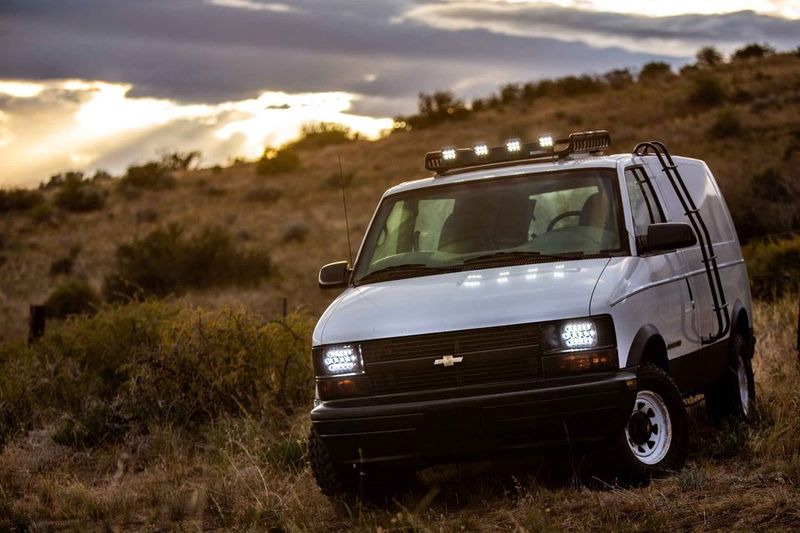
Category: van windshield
[482,224]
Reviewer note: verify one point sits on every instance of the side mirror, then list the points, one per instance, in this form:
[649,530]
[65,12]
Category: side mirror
[334,275]
[668,236]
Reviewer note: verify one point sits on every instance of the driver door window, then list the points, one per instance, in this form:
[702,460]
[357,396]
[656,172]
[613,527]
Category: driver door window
[645,208]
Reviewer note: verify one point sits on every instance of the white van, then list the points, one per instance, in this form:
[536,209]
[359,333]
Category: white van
[529,295]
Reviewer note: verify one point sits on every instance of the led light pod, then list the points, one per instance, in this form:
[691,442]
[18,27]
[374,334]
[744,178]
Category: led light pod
[481,150]
[343,359]
[579,334]
[513,145]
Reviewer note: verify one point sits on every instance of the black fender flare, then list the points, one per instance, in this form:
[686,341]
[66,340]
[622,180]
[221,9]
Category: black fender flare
[737,313]
[645,334]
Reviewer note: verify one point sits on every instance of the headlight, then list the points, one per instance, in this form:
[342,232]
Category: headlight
[342,360]
[579,334]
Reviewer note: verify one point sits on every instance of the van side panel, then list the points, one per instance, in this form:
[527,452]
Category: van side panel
[706,195]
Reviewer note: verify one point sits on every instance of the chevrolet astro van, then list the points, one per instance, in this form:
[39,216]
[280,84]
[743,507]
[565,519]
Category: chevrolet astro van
[531,295]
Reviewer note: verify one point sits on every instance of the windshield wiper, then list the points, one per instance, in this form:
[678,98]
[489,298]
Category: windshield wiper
[411,269]
[519,254]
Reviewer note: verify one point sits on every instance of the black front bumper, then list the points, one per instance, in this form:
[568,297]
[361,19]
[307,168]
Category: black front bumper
[485,422]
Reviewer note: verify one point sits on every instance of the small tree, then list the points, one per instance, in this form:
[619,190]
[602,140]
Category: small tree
[655,71]
[709,57]
[277,162]
[753,51]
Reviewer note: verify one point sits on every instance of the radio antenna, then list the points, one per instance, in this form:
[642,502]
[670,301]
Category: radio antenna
[344,203]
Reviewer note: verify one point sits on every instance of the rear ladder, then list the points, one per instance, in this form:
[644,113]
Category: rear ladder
[670,169]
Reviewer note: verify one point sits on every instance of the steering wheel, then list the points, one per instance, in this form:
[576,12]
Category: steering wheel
[561,216]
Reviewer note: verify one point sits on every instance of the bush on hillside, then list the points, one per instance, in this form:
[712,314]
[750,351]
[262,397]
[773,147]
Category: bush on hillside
[727,125]
[770,186]
[79,195]
[337,181]
[71,298]
[264,195]
[315,136]
[618,78]
[148,363]
[167,261]
[296,232]
[152,175]
[655,71]
[277,162]
[19,200]
[773,266]
[709,57]
[753,51]
[706,92]
[64,264]
[180,160]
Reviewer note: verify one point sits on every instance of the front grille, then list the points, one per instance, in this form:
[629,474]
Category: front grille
[490,355]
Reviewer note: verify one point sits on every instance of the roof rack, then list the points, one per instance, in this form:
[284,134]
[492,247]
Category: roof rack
[515,152]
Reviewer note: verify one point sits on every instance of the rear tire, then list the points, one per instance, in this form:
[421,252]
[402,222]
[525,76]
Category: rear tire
[656,438]
[733,396]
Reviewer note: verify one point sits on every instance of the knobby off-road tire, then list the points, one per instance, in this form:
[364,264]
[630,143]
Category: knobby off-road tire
[347,484]
[334,480]
[733,396]
[655,440]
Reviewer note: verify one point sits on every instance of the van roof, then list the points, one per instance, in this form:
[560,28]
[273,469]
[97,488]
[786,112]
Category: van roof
[569,163]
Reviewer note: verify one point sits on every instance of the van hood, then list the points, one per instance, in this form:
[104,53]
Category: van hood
[461,300]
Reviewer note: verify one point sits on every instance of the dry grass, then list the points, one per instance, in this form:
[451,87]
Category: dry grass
[250,474]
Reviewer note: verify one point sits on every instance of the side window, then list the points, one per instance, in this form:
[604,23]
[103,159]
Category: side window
[644,205]
[430,221]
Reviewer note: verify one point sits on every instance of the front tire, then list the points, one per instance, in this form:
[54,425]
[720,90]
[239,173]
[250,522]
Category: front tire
[334,480]
[656,437]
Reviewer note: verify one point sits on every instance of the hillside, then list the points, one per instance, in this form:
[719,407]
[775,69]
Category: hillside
[742,117]
[190,412]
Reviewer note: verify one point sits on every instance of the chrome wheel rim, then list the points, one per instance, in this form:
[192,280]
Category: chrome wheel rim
[744,387]
[649,429]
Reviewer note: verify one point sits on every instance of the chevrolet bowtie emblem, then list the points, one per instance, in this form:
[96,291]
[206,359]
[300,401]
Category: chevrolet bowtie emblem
[448,360]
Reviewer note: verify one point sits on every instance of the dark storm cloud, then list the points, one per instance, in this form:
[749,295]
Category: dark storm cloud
[193,50]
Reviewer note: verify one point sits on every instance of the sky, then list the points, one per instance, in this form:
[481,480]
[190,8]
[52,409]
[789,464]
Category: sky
[88,84]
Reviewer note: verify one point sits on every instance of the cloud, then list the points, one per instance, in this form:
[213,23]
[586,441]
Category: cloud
[78,124]
[676,36]
[253,5]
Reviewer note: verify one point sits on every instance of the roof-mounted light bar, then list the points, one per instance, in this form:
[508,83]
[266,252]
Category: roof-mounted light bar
[515,151]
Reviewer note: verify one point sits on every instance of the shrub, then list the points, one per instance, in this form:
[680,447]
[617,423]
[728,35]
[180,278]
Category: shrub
[709,57]
[148,363]
[152,175]
[655,71]
[166,261]
[179,160]
[773,266]
[79,195]
[146,215]
[618,78]
[707,91]
[727,125]
[19,200]
[337,181]
[64,265]
[314,136]
[277,162]
[753,51]
[296,232]
[265,195]
[769,186]
[71,298]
